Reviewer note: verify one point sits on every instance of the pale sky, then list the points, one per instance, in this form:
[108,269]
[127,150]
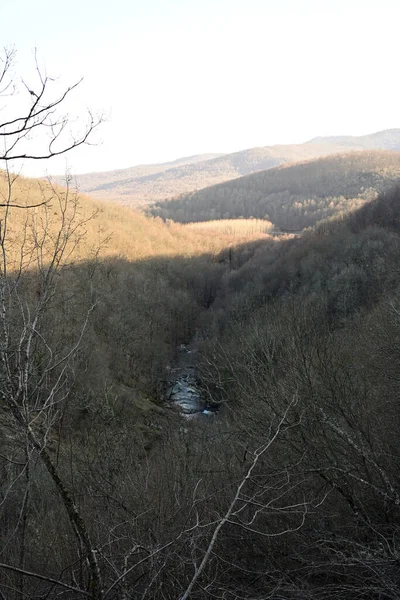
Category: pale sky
[184,77]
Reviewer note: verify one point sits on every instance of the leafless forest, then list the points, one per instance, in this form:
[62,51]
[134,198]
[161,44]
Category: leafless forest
[291,490]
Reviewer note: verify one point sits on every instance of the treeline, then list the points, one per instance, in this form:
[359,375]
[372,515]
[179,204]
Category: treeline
[294,196]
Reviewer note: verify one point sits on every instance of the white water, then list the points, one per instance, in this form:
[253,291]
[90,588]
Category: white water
[183,391]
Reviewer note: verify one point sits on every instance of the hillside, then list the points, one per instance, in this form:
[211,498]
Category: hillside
[307,331]
[127,260]
[294,482]
[293,196]
[92,182]
[138,190]
[146,184]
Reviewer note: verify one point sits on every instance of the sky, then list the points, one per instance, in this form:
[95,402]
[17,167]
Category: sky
[175,78]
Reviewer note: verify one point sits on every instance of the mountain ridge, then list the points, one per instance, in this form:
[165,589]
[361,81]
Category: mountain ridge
[146,184]
[389,138]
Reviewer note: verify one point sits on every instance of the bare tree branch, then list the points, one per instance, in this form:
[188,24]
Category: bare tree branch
[44,578]
[41,114]
[225,519]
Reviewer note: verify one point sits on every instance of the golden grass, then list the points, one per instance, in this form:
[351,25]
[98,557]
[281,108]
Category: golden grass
[233,227]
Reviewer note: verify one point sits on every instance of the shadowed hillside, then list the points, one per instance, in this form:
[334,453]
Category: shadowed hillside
[291,197]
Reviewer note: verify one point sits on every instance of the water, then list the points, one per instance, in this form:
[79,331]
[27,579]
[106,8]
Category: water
[183,391]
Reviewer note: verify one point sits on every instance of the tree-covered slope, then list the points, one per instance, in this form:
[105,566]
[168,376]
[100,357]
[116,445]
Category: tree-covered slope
[146,277]
[293,196]
[308,331]
[146,184]
[104,180]
[290,491]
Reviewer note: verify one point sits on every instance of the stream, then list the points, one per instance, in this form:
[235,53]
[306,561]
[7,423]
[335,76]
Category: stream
[183,391]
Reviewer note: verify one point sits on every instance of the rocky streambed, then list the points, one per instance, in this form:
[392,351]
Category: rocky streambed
[183,391]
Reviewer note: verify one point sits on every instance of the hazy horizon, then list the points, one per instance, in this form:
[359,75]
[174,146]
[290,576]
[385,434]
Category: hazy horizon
[178,78]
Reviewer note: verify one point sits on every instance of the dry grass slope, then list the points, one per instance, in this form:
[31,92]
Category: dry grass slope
[233,227]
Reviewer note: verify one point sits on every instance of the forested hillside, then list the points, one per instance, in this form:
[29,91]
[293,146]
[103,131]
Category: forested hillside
[290,491]
[294,196]
[95,301]
[105,180]
[146,184]
[304,354]
[125,259]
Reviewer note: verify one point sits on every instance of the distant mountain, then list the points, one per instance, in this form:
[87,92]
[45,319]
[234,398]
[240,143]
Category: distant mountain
[382,140]
[293,196]
[100,180]
[146,184]
[196,176]
[151,183]
[104,180]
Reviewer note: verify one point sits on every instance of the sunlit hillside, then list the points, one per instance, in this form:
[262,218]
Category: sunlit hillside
[102,229]
[118,178]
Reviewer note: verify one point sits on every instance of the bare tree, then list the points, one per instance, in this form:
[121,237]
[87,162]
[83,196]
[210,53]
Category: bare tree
[35,378]
[37,128]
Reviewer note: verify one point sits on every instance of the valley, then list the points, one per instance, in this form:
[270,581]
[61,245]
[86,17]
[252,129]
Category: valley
[199,300]
[214,384]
